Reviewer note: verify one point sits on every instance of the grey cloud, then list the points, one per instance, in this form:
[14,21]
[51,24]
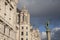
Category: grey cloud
[41,7]
[55,34]
[41,10]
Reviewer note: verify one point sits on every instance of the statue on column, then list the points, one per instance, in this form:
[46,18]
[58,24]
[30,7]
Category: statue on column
[47,24]
[48,31]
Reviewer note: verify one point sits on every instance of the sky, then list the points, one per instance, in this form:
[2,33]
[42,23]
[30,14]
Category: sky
[41,11]
[55,34]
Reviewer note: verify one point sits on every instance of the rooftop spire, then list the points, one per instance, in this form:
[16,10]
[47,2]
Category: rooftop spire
[24,7]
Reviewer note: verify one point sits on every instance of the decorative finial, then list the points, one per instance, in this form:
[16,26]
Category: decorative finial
[24,7]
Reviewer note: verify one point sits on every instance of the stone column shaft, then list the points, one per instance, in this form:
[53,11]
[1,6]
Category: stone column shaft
[48,35]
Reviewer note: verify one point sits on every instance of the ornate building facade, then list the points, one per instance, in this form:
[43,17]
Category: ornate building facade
[35,34]
[24,25]
[8,19]
[15,24]
[25,30]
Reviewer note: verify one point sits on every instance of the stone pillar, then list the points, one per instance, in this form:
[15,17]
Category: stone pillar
[48,35]
[48,31]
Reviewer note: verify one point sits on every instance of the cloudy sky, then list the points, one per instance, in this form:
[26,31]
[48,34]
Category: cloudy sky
[55,34]
[41,11]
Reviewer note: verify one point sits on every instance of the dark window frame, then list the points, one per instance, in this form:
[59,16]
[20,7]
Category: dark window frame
[26,27]
[10,9]
[6,3]
[22,33]
[9,18]
[21,38]
[22,27]
[26,38]
[5,14]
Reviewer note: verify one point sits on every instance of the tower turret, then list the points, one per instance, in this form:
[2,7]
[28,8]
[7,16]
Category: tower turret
[24,16]
[24,24]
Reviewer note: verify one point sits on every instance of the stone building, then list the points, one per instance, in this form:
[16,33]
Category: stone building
[8,19]
[14,24]
[24,24]
[35,34]
[25,30]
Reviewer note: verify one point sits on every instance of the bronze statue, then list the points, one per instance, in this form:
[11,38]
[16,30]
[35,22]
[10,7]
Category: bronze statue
[47,24]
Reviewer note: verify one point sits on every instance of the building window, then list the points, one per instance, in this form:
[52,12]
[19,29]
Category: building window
[9,3]
[5,14]
[10,9]
[9,18]
[21,38]
[17,28]
[26,27]
[26,38]
[22,27]
[22,33]
[9,31]
[4,28]
[0,8]
[5,3]
[4,39]
[26,33]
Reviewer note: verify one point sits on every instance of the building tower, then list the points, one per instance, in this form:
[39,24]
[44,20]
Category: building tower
[24,24]
[48,31]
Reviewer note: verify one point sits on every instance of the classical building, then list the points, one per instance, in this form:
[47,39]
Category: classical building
[35,34]
[15,24]
[24,25]
[8,19]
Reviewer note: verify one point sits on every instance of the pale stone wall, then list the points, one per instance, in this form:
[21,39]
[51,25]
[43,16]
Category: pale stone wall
[1,27]
[24,25]
[2,8]
[48,34]
[17,27]
[6,32]
[24,30]
[8,11]
[8,19]
[17,36]
[35,34]
[1,37]
[24,12]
